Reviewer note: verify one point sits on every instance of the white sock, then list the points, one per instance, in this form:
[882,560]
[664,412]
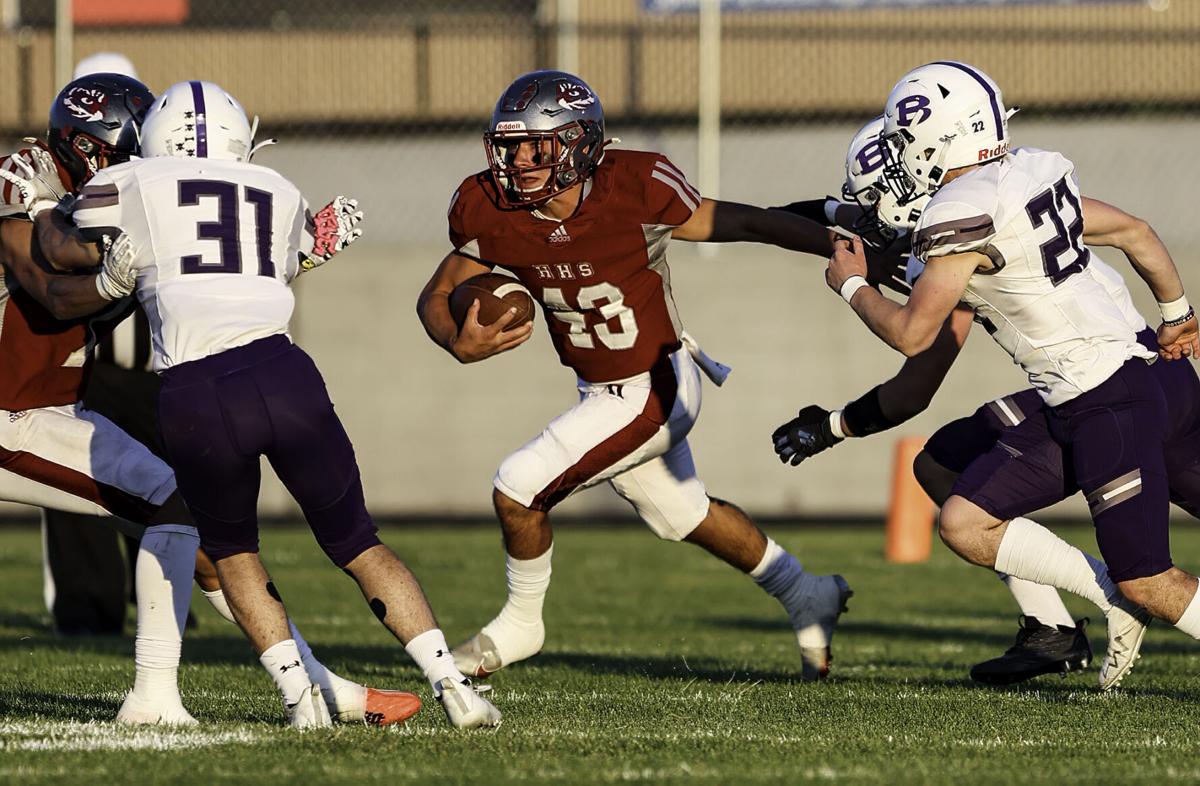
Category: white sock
[430,651]
[1030,551]
[1189,623]
[782,577]
[166,561]
[282,661]
[517,630]
[1038,601]
[347,700]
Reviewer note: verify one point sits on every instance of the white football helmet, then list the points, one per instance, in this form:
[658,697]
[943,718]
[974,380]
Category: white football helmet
[940,117]
[197,120]
[883,218]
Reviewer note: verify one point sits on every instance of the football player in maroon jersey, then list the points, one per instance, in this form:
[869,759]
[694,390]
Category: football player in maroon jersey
[586,229]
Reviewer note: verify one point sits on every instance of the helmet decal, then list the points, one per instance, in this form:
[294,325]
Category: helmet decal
[200,121]
[986,85]
[519,103]
[870,157]
[574,95]
[915,104]
[85,103]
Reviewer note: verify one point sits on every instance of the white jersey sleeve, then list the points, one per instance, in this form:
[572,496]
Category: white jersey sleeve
[1066,321]
[97,210]
[954,226]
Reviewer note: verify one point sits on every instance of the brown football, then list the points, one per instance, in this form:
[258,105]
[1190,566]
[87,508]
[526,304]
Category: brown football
[497,293]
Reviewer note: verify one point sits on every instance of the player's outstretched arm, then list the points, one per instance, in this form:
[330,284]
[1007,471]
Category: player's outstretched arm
[730,222]
[64,296]
[1106,225]
[884,406]
[475,341]
[910,328]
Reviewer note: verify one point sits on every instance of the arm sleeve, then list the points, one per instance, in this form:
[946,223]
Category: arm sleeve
[97,211]
[952,228]
[812,209]
[670,198]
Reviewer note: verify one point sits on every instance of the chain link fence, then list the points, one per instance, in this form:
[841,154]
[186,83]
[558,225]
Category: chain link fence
[387,100]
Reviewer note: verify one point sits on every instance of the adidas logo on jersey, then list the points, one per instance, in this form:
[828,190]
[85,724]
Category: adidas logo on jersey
[559,235]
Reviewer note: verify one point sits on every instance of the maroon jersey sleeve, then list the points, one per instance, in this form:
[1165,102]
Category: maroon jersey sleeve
[670,198]
[463,236]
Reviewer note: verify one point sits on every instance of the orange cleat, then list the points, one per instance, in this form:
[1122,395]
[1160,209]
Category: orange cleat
[385,707]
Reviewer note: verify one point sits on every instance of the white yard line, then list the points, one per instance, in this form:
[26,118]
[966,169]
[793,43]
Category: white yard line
[107,736]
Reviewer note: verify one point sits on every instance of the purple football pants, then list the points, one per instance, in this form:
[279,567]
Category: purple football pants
[1129,445]
[221,413]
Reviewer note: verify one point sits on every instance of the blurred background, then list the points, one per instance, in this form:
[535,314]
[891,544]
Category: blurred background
[756,100]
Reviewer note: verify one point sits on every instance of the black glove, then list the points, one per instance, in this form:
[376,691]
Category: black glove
[804,436]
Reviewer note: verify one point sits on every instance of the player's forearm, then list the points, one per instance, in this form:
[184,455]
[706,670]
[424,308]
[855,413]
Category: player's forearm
[731,222]
[909,393]
[70,297]
[1153,263]
[433,309]
[62,243]
[892,323]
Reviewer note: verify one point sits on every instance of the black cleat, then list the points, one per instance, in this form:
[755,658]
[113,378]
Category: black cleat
[1039,649]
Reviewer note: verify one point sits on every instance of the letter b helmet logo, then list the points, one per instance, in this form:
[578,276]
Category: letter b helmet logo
[913,105]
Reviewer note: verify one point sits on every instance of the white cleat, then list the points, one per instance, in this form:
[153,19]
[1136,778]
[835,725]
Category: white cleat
[136,711]
[310,711]
[465,707]
[1126,629]
[824,601]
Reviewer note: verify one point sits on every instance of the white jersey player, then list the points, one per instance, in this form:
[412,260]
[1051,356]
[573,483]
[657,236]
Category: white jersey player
[251,223]
[1007,234]
[210,243]
[1043,299]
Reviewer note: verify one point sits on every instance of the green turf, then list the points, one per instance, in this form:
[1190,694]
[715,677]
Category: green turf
[661,666]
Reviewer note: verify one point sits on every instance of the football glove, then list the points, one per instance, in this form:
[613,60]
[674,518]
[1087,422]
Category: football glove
[37,183]
[117,277]
[335,226]
[804,436]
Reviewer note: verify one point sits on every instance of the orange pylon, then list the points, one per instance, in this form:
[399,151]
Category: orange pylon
[909,525]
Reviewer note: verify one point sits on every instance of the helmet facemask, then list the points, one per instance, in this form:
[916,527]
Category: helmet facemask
[568,155]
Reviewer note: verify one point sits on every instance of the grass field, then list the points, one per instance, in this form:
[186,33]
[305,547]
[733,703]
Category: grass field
[661,666]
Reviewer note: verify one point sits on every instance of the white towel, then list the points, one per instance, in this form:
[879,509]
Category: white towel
[717,372]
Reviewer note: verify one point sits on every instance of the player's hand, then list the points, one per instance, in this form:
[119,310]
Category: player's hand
[848,260]
[37,182]
[117,277]
[476,342]
[804,436]
[1179,341]
[336,226]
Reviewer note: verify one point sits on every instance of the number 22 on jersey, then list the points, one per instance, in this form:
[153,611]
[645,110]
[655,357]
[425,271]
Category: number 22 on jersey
[228,226]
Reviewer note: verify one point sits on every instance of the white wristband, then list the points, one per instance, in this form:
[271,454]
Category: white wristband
[852,285]
[1174,310]
[41,206]
[835,424]
[831,206]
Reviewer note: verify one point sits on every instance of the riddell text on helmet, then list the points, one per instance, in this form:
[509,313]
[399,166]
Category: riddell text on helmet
[992,152]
